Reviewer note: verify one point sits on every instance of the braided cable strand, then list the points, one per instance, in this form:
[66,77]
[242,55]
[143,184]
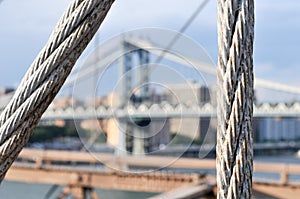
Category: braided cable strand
[47,75]
[45,52]
[43,69]
[235,98]
[47,55]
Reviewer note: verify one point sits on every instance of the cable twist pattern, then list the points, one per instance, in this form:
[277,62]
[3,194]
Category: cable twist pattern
[47,74]
[235,98]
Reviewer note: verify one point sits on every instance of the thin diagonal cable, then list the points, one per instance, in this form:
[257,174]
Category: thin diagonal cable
[175,39]
[51,191]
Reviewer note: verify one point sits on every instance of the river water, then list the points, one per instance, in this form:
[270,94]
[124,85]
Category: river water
[16,190]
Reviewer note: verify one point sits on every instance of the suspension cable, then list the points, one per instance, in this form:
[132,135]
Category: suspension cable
[235,99]
[174,39]
[47,74]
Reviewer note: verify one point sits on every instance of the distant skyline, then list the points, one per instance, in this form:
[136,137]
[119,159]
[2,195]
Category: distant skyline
[26,26]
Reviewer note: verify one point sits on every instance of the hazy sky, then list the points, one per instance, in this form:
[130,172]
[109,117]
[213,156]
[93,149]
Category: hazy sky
[27,24]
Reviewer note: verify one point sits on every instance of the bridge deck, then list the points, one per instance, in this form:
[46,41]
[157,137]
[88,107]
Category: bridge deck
[187,192]
[88,170]
[145,182]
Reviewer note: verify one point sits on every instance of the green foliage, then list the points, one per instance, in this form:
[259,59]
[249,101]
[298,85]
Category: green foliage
[50,133]
[179,139]
[102,138]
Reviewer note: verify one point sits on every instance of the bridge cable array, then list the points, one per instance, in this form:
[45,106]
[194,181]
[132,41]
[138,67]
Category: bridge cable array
[71,36]
[235,99]
[47,74]
[175,39]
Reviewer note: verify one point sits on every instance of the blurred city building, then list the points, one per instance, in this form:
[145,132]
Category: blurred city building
[192,93]
[6,90]
[277,129]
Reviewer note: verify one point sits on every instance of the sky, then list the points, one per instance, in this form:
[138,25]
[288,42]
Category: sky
[26,25]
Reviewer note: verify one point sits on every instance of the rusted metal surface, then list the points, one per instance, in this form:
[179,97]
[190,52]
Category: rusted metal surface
[57,167]
[150,161]
[147,182]
[187,192]
[277,191]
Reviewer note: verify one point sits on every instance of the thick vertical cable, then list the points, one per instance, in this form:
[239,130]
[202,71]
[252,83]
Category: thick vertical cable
[235,98]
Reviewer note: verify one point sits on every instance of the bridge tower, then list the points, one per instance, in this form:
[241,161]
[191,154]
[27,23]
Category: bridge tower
[125,73]
[143,74]
[131,134]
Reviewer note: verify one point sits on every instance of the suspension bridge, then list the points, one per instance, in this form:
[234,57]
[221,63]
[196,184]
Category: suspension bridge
[49,166]
[122,51]
[132,56]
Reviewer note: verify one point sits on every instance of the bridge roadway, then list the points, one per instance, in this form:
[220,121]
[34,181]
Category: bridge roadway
[165,110]
[84,171]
